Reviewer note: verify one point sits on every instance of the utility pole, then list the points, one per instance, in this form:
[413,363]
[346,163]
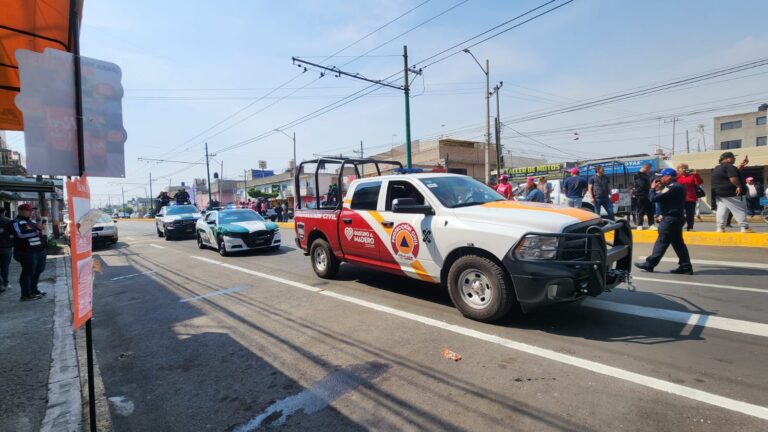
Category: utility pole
[487,72]
[703,138]
[360,152]
[404,88]
[151,195]
[407,91]
[674,124]
[687,142]
[245,185]
[497,128]
[293,138]
[208,172]
[122,189]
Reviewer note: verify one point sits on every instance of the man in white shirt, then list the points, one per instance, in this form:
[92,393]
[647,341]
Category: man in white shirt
[753,193]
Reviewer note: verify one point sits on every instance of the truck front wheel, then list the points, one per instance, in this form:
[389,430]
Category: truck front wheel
[480,289]
[324,262]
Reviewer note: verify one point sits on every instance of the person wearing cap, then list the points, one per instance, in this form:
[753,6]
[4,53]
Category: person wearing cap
[728,190]
[504,188]
[531,192]
[753,193]
[670,196]
[645,209]
[691,180]
[29,249]
[574,188]
[600,191]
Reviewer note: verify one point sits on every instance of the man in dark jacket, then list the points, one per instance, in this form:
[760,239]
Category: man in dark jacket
[642,188]
[30,251]
[6,250]
[181,197]
[671,198]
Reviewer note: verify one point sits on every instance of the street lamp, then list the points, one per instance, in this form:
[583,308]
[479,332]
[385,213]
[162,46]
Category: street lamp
[487,71]
[293,138]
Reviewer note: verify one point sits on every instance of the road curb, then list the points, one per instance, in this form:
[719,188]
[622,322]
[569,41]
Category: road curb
[64,412]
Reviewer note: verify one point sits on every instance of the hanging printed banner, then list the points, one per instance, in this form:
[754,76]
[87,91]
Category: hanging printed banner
[82,220]
[47,101]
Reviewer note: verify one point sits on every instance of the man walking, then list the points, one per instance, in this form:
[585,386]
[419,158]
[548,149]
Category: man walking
[690,180]
[727,185]
[29,249]
[753,194]
[279,213]
[670,196]
[6,250]
[600,190]
[645,208]
[574,188]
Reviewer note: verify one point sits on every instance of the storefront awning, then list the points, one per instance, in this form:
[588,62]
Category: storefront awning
[33,25]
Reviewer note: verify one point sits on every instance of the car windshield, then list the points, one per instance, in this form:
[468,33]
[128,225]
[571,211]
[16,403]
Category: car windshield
[105,218]
[178,210]
[460,191]
[239,216]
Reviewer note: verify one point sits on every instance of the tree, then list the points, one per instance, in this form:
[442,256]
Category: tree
[254,193]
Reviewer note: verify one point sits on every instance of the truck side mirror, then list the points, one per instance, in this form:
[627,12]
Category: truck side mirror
[409,205]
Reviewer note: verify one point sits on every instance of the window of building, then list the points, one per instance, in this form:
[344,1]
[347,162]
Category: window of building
[730,145]
[760,120]
[366,196]
[760,141]
[730,125]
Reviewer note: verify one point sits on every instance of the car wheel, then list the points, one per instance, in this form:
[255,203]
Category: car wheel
[159,233]
[274,248]
[480,289]
[324,262]
[222,248]
[167,235]
[200,243]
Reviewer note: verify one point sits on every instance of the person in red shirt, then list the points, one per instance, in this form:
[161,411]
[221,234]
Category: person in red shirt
[690,180]
[504,188]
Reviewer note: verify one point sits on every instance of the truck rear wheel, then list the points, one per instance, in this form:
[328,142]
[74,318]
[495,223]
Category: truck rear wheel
[324,262]
[480,289]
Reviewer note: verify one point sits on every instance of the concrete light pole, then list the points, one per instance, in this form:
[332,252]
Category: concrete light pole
[487,72]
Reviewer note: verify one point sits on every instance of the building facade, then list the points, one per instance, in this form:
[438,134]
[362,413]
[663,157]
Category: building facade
[738,131]
[458,156]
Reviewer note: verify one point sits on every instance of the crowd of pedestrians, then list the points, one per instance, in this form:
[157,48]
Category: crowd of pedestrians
[733,195]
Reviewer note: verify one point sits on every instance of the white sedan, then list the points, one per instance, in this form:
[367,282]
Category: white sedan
[236,230]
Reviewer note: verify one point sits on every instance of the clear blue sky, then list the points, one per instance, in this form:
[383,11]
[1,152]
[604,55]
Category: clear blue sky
[189,65]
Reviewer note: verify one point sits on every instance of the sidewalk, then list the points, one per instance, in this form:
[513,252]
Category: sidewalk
[39,373]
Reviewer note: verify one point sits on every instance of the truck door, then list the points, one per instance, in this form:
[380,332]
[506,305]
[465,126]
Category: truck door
[409,235]
[358,238]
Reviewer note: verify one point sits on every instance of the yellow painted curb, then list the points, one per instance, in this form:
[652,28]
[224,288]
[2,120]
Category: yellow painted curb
[732,239]
[288,225]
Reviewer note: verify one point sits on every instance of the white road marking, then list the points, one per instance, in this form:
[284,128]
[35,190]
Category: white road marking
[132,275]
[747,265]
[263,275]
[216,293]
[643,380]
[708,321]
[157,246]
[684,283]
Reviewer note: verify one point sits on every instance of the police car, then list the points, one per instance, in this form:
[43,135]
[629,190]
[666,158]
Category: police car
[175,221]
[236,230]
[491,254]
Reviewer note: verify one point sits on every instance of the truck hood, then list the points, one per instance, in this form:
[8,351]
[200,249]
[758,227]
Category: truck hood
[526,215]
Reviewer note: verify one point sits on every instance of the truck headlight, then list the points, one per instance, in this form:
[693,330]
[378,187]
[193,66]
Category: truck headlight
[537,248]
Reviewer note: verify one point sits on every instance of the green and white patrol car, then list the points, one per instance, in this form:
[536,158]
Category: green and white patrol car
[236,230]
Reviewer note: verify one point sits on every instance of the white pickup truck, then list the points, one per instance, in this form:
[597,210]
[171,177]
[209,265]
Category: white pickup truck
[492,255]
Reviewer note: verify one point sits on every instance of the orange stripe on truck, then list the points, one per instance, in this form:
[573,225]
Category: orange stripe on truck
[579,214]
[421,272]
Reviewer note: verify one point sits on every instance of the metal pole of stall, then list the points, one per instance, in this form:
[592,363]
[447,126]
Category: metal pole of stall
[74,26]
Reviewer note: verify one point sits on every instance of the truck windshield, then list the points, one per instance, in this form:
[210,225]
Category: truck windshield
[460,191]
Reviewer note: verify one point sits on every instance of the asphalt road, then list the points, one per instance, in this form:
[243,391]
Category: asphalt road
[188,340]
